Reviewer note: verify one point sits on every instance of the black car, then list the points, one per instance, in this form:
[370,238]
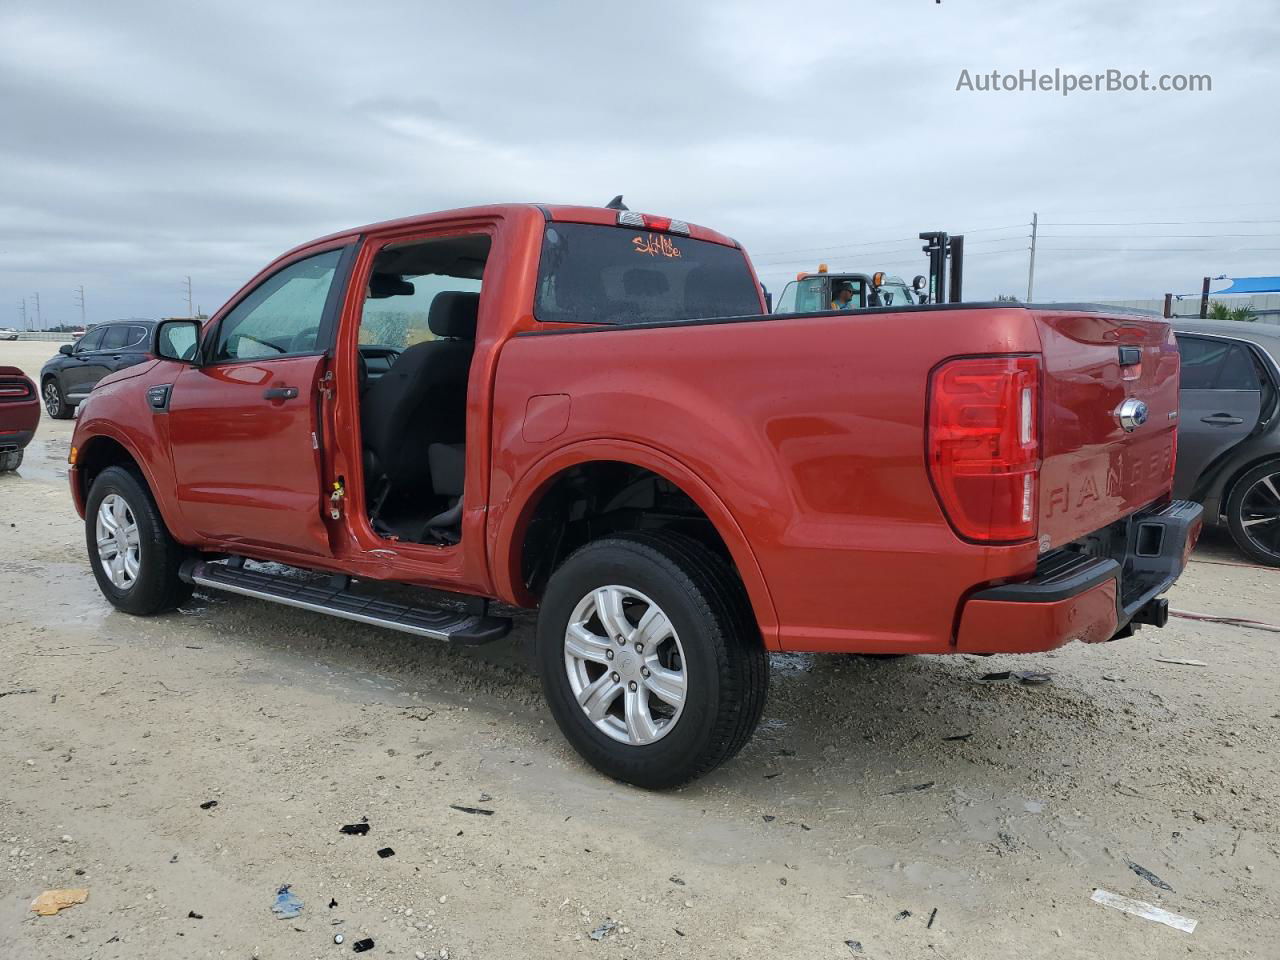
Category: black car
[67,378]
[1229,430]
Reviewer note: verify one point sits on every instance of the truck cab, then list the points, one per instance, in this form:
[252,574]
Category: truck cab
[811,292]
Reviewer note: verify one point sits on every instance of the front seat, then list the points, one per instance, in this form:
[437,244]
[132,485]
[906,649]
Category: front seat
[422,399]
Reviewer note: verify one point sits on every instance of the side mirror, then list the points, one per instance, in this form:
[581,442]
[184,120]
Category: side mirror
[177,340]
[65,349]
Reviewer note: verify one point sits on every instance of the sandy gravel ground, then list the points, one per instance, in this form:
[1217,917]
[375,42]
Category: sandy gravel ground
[807,845]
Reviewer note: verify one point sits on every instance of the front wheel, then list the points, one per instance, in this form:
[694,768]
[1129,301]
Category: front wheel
[55,403]
[1253,513]
[651,660]
[134,558]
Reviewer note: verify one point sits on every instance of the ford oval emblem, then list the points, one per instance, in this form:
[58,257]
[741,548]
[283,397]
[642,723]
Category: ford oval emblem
[1132,414]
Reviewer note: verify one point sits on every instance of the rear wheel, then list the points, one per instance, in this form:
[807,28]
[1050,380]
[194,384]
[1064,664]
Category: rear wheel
[55,403]
[651,660]
[10,460]
[134,559]
[1253,513]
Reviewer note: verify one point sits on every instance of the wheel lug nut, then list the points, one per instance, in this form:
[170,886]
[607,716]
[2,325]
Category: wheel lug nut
[631,685]
[622,641]
[608,654]
[639,648]
[644,671]
[614,677]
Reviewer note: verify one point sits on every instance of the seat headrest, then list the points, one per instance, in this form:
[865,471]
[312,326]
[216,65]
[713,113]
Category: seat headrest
[453,314]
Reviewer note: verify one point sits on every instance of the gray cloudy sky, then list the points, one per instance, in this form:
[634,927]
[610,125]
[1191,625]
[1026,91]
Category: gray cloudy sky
[145,141]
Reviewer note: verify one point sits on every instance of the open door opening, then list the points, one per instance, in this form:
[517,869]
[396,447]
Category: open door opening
[417,337]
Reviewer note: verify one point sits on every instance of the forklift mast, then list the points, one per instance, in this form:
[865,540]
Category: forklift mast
[942,247]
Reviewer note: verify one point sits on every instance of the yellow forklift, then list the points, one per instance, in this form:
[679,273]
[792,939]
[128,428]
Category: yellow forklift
[825,290]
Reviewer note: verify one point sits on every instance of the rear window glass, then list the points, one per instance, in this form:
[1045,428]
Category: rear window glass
[1216,365]
[599,274]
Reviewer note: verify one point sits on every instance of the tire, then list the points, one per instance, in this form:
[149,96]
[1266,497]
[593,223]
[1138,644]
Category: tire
[154,586]
[1253,513]
[55,402]
[10,460]
[713,644]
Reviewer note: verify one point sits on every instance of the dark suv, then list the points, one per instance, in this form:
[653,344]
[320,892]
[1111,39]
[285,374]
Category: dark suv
[1229,430]
[67,378]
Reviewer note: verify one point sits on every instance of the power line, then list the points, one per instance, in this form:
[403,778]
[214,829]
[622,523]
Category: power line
[879,243]
[1158,236]
[1154,223]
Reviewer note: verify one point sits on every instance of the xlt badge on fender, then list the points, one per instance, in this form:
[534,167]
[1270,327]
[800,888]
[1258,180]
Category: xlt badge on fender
[1132,414]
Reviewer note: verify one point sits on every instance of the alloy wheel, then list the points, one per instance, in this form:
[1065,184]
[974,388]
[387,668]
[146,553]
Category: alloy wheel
[119,548]
[52,398]
[625,665]
[1260,513]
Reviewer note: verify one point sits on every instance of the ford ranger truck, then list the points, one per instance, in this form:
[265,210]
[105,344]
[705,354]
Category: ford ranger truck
[589,412]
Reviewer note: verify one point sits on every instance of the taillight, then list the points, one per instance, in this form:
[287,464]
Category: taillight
[984,445]
[15,390]
[647,221]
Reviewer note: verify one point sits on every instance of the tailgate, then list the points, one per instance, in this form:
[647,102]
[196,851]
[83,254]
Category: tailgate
[1095,471]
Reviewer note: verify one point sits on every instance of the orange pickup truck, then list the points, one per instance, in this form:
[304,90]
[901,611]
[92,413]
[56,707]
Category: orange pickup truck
[589,411]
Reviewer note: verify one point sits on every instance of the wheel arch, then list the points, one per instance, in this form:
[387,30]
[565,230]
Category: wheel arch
[533,491]
[1218,494]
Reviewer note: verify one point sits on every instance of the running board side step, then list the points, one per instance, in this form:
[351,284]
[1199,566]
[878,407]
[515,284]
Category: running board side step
[326,596]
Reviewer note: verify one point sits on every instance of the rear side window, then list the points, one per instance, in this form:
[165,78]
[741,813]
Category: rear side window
[600,274]
[1216,365]
[115,338]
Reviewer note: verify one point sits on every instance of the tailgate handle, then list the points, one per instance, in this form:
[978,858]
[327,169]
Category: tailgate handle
[1224,419]
[1130,356]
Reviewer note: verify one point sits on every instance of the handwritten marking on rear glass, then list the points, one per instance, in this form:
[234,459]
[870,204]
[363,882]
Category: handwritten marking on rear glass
[656,245]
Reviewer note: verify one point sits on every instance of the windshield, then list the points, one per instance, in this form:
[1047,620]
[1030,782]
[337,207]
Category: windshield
[599,274]
[895,293]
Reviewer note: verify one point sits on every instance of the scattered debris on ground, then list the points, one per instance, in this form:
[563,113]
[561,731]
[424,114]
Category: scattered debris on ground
[51,901]
[208,804]
[360,946]
[479,810]
[287,905]
[910,788]
[386,852]
[932,915]
[14,693]
[1181,661]
[355,829]
[1148,876]
[854,945]
[1148,911]
[902,915]
[192,915]
[602,931]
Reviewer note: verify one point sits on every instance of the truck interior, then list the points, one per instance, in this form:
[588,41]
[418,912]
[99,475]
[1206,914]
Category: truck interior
[417,335]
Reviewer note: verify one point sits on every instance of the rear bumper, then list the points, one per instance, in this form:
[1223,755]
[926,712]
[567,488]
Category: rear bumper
[15,439]
[1079,596]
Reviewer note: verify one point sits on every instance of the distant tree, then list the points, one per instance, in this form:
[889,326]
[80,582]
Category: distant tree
[1006,298]
[1221,311]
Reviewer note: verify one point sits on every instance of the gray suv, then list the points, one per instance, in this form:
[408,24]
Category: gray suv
[68,377]
[1229,430]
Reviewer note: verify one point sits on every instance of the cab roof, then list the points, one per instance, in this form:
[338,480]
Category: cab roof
[558,213]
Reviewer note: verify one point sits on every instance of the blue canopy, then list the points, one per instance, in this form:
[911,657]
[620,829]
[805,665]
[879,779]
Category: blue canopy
[1251,285]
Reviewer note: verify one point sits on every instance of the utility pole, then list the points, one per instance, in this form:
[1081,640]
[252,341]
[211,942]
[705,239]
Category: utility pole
[22,311]
[1204,298]
[189,308]
[39,320]
[1031,268]
[80,301]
